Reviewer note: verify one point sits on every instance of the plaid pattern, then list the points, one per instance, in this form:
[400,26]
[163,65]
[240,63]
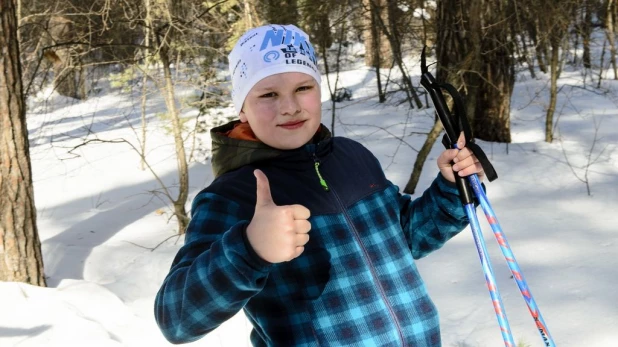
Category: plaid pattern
[356,284]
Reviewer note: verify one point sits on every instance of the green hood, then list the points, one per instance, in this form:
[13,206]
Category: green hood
[230,154]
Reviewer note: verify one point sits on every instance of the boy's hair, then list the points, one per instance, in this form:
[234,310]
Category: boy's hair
[269,50]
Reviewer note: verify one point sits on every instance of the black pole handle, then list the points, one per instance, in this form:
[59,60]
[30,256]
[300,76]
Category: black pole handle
[452,130]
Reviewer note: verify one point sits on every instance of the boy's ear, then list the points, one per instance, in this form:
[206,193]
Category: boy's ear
[242,116]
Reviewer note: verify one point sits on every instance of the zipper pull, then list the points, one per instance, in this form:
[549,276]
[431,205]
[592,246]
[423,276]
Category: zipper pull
[317,171]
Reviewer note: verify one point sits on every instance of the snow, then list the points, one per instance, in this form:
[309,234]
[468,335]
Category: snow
[108,242]
[421,13]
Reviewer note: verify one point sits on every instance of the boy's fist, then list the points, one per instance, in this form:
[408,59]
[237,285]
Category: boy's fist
[277,233]
[461,160]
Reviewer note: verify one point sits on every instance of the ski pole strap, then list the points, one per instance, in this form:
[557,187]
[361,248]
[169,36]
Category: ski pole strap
[463,124]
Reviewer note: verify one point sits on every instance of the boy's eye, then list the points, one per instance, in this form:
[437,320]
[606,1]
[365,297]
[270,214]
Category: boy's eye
[268,95]
[303,88]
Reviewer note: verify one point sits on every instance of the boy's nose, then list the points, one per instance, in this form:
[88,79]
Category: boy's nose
[289,105]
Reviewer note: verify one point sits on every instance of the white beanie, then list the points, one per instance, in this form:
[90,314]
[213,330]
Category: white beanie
[269,50]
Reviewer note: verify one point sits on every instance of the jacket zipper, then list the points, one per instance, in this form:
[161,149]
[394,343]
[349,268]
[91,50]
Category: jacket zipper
[323,183]
[366,255]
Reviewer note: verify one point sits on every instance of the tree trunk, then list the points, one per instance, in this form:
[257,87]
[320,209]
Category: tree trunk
[66,73]
[320,22]
[492,120]
[377,47]
[421,157]
[181,157]
[373,54]
[65,77]
[609,32]
[540,45]
[458,55]
[459,51]
[280,12]
[475,57]
[517,30]
[601,63]
[250,16]
[146,61]
[425,34]
[395,44]
[553,89]
[586,33]
[20,249]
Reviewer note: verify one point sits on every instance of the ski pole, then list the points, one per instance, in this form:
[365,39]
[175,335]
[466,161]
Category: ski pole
[467,200]
[492,286]
[427,81]
[453,127]
[510,260]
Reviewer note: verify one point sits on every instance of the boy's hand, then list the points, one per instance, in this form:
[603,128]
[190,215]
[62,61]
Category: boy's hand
[466,163]
[277,233]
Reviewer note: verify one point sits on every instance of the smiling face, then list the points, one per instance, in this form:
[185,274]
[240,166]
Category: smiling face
[284,110]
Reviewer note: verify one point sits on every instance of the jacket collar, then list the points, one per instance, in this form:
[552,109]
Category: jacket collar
[229,153]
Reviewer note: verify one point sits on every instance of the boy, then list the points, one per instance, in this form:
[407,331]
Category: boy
[301,230]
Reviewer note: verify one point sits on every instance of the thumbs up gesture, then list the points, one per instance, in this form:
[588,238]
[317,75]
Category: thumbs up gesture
[277,233]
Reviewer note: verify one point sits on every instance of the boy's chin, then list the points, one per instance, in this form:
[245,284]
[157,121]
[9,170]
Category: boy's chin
[289,145]
[292,141]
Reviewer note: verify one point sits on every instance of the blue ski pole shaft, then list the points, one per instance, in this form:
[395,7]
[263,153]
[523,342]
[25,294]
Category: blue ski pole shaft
[505,329]
[510,259]
[467,199]
[454,124]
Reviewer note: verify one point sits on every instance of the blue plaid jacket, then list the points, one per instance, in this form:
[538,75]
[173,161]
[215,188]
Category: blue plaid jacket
[356,284]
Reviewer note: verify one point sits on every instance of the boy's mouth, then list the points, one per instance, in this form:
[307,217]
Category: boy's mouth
[293,124]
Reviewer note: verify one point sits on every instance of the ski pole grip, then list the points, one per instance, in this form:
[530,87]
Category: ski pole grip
[465,190]
[427,81]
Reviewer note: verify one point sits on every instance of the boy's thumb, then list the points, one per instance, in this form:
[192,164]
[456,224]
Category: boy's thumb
[263,196]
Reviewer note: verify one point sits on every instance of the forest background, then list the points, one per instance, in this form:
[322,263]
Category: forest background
[169,53]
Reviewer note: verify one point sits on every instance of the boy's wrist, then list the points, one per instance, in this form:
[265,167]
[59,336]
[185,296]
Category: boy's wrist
[451,187]
[446,182]
[254,257]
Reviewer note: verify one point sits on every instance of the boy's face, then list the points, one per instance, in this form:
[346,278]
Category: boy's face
[284,110]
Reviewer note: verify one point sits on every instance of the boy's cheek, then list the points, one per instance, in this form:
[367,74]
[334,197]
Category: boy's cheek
[313,103]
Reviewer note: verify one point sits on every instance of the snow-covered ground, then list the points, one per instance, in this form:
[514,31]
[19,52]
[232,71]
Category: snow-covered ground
[106,236]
